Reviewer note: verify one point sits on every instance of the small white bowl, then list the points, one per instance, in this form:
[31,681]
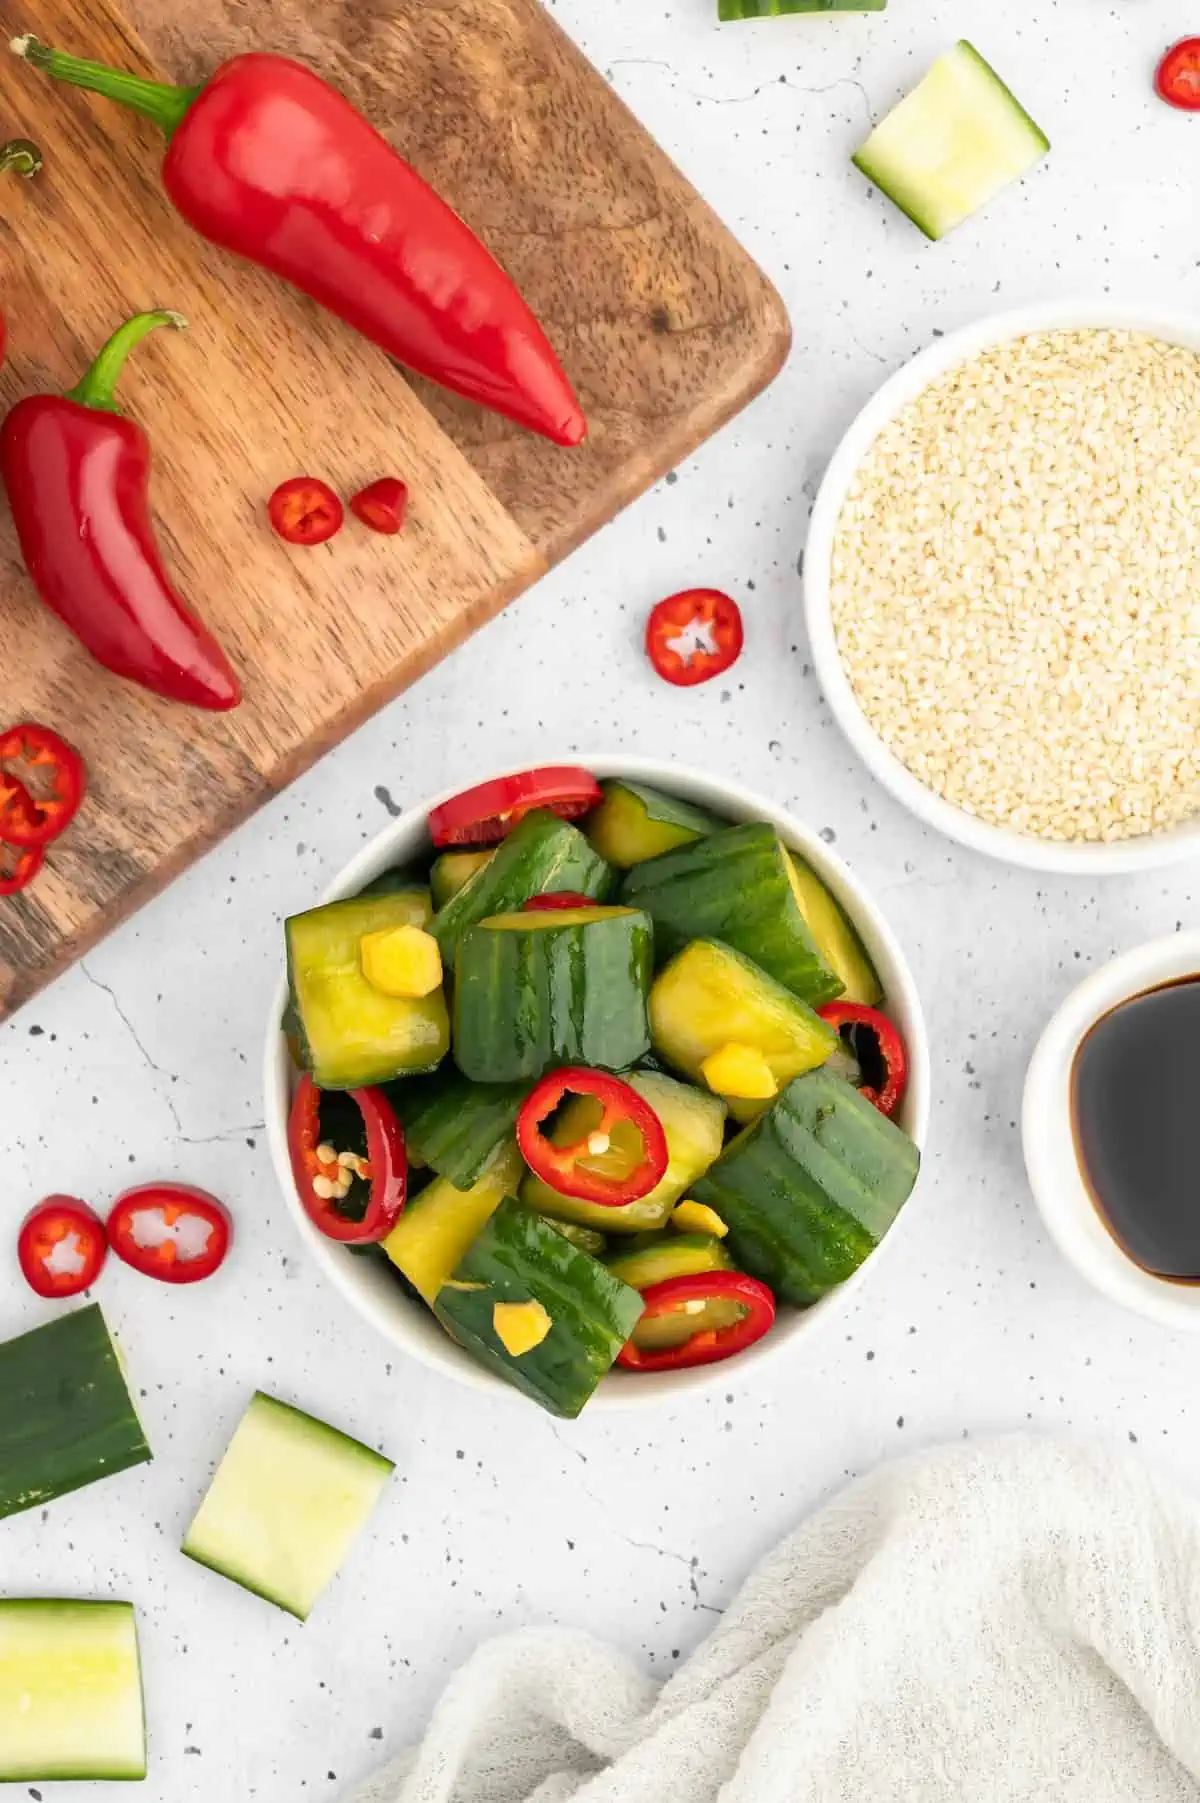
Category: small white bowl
[1147,852]
[407,1324]
[1048,1135]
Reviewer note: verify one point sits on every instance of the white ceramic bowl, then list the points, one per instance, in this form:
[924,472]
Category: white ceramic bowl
[1049,1141]
[1142,853]
[409,1326]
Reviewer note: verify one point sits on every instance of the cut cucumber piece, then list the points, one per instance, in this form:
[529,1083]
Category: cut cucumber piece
[350,1035]
[835,936]
[952,144]
[634,823]
[451,870]
[565,986]
[433,1233]
[668,1255]
[519,1258]
[542,856]
[810,1189]
[455,1126]
[711,996]
[736,886]
[694,1124]
[287,1501]
[775,9]
[66,1415]
[70,1692]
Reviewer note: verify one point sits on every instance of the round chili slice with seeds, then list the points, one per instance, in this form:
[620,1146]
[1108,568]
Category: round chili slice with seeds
[488,813]
[305,511]
[693,636]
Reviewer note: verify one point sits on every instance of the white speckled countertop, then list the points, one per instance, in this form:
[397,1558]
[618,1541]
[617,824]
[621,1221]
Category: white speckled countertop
[145,1061]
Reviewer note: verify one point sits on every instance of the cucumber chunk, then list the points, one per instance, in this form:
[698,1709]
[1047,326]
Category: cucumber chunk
[436,1228]
[668,1255]
[70,1692]
[287,1501]
[66,1415]
[835,936]
[634,823]
[455,1126]
[954,142]
[541,856]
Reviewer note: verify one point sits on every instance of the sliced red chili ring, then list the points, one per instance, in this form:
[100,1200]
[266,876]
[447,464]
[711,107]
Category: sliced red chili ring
[18,866]
[695,635]
[488,813]
[170,1231]
[885,1044]
[1177,80]
[566,1167]
[305,511]
[669,1306]
[567,898]
[32,818]
[353,1196]
[61,1247]
[383,506]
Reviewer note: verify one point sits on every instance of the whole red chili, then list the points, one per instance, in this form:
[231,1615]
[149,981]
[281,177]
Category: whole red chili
[693,636]
[853,1018]
[383,506]
[708,1345]
[18,866]
[28,819]
[170,1231]
[326,1174]
[566,898]
[1178,78]
[305,511]
[77,475]
[266,159]
[565,1168]
[61,1247]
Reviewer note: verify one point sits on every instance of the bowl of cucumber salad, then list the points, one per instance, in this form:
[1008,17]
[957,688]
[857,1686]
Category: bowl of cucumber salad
[595,1083]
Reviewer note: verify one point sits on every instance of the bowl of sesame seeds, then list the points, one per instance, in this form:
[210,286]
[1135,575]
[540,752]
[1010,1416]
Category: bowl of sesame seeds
[1002,585]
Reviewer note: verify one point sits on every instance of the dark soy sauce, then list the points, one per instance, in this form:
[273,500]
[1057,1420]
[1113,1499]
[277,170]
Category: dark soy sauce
[1135,1098]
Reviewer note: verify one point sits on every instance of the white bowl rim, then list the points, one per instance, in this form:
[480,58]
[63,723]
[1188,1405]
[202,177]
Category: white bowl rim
[1151,850]
[1048,1140]
[419,1337]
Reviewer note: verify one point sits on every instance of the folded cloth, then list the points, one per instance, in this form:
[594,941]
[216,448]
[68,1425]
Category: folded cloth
[985,1623]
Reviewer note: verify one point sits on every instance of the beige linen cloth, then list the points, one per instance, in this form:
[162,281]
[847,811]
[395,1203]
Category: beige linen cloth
[986,1623]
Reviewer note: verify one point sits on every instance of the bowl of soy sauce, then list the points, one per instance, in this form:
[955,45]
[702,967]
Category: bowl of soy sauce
[1111,1129]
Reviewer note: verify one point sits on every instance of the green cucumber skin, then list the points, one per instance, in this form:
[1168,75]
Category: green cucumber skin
[527,1002]
[521,1258]
[776,9]
[811,1187]
[66,1416]
[543,855]
[734,887]
[402,882]
[453,1125]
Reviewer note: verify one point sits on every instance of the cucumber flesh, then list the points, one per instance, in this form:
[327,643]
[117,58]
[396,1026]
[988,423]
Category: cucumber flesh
[634,823]
[776,9]
[435,1230]
[835,935]
[954,142]
[287,1501]
[669,1255]
[70,1692]
[452,871]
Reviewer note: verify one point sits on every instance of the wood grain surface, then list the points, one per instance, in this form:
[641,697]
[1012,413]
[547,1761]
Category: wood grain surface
[664,323]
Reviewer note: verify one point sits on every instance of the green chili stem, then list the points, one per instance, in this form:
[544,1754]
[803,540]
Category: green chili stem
[158,101]
[98,387]
[21,156]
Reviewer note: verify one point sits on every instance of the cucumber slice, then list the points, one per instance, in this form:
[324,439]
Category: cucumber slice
[66,1415]
[952,144]
[455,1126]
[538,990]
[669,1255]
[541,856]
[350,1034]
[810,1189]
[70,1692]
[634,823]
[452,870]
[287,1501]
[736,886]
[774,9]
[694,1124]
[435,1230]
[835,936]
[711,997]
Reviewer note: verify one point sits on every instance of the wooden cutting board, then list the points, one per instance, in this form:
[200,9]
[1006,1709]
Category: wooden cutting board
[666,327]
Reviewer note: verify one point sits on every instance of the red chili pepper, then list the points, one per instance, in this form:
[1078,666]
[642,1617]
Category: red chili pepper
[27,819]
[268,160]
[18,866]
[170,1231]
[488,813]
[567,898]
[61,1247]
[77,477]
[383,506]
[693,636]
[562,1167]
[1177,80]
[317,1160]
[851,1018]
[709,1345]
[305,511]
